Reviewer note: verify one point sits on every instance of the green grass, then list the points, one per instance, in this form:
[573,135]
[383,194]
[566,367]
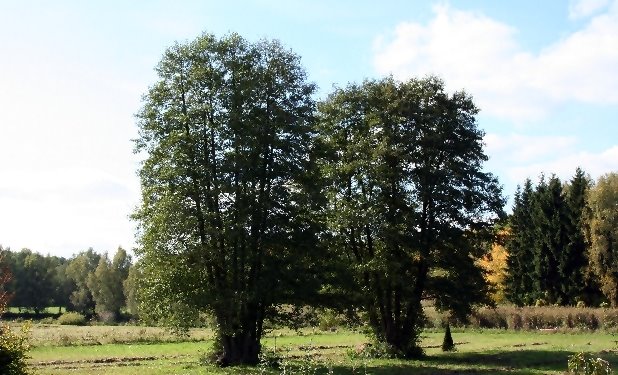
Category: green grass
[314,352]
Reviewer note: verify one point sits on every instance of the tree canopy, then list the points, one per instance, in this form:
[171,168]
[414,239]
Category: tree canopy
[410,204]
[226,219]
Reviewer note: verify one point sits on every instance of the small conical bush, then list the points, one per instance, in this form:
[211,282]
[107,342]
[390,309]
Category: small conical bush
[447,344]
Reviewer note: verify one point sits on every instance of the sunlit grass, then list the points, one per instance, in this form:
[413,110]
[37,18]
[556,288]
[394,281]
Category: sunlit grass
[478,351]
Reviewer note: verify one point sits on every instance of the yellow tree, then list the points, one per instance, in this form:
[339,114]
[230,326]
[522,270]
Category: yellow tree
[494,264]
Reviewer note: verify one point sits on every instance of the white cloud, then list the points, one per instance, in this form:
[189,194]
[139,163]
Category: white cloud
[519,148]
[519,156]
[472,51]
[596,164]
[585,8]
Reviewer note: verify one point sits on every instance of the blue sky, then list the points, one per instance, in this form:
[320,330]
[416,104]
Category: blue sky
[544,73]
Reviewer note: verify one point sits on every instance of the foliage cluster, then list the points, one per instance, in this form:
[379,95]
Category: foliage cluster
[586,364]
[14,348]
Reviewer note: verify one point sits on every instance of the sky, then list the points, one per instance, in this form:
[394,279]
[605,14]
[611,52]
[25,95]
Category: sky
[72,75]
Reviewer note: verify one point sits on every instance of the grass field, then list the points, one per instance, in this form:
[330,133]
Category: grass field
[145,350]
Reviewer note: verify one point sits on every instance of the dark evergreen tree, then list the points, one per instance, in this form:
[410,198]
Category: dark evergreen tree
[573,263]
[549,217]
[448,345]
[519,286]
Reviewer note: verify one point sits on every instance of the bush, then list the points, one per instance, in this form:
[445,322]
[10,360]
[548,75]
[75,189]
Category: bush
[447,344]
[72,319]
[584,364]
[329,320]
[13,349]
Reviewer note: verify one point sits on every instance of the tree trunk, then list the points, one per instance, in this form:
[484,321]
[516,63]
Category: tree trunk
[239,349]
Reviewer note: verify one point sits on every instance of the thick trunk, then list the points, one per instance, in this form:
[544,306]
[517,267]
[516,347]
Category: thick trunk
[240,349]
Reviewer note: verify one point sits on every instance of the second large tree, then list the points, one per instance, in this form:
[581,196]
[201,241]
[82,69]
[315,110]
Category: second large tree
[410,203]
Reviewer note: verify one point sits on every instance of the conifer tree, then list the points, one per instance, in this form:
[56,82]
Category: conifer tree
[520,244]
[549,220]
[447,344]
[573,262]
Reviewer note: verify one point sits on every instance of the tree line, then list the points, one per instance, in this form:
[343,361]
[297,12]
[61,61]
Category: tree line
[561,242]
[89,283]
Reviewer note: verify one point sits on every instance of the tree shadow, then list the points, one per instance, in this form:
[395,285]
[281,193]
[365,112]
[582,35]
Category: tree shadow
[521,362]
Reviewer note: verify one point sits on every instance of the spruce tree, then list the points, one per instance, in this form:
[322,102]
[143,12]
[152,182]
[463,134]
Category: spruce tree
[519,280]
[549,219]
[574,260]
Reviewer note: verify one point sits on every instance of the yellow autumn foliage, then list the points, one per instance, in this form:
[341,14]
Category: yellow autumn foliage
[494,264]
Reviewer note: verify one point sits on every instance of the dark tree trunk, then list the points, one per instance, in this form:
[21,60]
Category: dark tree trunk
[239,349]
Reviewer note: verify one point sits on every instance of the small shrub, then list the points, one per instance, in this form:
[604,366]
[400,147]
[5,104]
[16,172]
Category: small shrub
[515,321]
[585,364]
[447,344]
[72,319]
[13,350]
[329,321]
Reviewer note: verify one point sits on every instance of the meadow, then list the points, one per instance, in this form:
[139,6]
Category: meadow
[150,350]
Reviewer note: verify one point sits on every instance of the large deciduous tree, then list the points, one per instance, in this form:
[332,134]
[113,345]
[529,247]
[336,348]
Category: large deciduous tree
[225,222]
[603,234]
[410,205]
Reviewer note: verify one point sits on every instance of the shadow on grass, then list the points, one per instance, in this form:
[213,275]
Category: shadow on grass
[522,362]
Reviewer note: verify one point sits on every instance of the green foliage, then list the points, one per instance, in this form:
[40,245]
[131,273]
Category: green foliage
[33,277]
[603,234]
[548,261]
[229,195]
[409,204]
[448,345]
[78,271]
[520,244]
[13,350]
[72,318]
[131,288]
[106,284]
[585,364]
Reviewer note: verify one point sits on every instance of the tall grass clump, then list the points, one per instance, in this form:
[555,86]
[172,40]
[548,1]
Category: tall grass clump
[534,318]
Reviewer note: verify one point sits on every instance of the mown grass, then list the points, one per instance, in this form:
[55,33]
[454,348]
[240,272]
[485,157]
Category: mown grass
[313,352]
